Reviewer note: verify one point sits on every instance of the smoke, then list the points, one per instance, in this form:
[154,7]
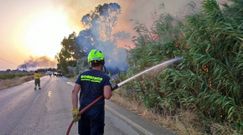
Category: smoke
[99,34]
[146,12]
[110,29]
[133,11]
[37,62]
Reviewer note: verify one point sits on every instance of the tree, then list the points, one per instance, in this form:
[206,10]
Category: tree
[209,80]
[69,55]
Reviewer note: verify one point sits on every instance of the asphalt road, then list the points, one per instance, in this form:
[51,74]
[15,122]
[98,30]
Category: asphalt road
[25,111]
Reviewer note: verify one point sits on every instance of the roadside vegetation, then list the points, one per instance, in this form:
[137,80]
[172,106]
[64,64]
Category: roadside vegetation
[208,83]
[205,91]
[11,75]
[13,78]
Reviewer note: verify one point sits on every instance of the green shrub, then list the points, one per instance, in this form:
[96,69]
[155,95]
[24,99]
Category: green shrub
[209,80]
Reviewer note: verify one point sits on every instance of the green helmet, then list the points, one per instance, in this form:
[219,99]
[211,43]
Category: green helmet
[95,55]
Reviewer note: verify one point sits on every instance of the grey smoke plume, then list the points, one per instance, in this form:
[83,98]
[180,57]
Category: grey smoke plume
[147,11]
[106,31]
[39,62]
[99,34]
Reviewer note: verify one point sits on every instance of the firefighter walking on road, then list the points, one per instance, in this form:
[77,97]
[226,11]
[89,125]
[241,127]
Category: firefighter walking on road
[91,84]
[37,77]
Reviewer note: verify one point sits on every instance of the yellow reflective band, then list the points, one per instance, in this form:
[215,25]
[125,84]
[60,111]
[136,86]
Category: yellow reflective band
[91,78]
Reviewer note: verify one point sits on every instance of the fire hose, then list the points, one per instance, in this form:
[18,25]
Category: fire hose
[160,66]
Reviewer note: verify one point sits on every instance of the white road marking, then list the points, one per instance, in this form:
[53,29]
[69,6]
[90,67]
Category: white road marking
[140,128]
[49,93]
[70,83]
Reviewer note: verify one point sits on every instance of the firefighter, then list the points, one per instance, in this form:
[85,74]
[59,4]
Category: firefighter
[37,77]
[91,84]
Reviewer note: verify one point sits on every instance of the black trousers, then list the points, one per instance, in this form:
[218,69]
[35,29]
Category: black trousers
[92,123]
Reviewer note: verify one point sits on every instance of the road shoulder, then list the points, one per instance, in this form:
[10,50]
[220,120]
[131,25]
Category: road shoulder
[137,122]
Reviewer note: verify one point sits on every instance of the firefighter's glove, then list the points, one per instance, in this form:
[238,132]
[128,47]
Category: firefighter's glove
[76,115]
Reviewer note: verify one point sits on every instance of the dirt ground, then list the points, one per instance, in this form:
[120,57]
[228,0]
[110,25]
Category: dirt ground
[14,82]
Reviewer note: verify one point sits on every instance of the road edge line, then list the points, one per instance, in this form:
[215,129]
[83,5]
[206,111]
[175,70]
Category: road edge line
[140,128]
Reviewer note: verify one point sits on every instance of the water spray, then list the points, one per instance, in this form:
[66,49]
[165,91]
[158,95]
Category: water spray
[160,66]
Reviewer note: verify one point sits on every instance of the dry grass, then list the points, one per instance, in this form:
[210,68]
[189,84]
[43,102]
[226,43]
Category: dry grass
[183,124]
[221,129]
[14,82]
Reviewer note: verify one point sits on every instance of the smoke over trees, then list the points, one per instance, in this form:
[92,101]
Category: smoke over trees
[37,62]
[98,33]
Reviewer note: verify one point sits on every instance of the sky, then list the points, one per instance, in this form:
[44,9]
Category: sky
[35,28]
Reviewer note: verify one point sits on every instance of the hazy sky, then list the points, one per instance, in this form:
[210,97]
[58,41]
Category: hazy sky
[37,27]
